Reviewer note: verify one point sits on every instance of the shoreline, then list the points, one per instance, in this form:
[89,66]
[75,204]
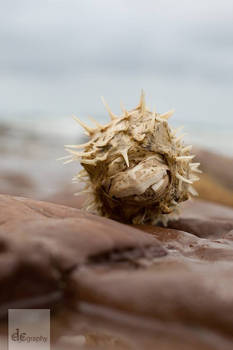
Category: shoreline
[29,166]
[217,138]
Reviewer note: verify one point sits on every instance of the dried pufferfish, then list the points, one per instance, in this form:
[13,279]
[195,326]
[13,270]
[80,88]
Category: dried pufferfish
[135,168]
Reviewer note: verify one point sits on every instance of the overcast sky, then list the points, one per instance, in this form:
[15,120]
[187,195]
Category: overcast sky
[59,56]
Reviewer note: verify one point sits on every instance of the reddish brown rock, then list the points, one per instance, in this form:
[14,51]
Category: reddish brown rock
[174,293]
[220,167]
[204,219]
[216,182]
[212,190]
[66,196]
[41,243]
[121,288]
[16,183]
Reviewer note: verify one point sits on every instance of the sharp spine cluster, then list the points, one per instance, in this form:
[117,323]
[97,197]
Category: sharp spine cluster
[128,151]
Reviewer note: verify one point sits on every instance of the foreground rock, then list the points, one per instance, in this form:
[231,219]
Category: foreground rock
[42,243]
[116,286]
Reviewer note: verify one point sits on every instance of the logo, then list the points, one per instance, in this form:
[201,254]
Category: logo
[24,337]
[28,329]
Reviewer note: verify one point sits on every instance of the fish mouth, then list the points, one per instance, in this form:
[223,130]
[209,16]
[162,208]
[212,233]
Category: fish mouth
[146,181]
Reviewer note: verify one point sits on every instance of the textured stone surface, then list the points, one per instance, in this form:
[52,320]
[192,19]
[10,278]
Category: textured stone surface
[115,286]
[41,243]
[204,219]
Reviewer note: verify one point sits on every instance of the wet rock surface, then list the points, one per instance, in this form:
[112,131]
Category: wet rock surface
[42,243]
[115,286]
[204,219]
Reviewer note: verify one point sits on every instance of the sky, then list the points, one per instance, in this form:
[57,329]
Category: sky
[59,56]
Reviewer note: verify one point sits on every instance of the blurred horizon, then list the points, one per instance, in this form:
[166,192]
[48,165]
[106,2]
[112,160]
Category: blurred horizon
[58,57]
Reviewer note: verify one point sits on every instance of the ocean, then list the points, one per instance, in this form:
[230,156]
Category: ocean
[204,109]
[59,57]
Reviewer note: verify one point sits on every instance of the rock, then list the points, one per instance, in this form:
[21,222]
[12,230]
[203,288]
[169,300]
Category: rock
[220,167]
[118,286]
[42,243]
[211,189]
[66,196]
[204,219]
[216,182]
[178,292]
[15,183]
